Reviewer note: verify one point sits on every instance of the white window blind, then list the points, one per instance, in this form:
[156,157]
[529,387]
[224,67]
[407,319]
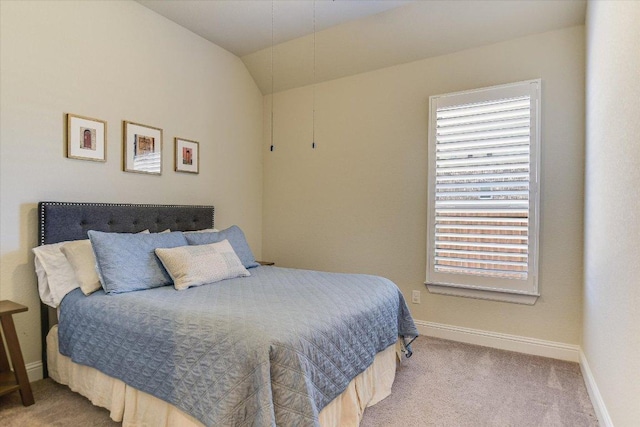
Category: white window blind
[484,189]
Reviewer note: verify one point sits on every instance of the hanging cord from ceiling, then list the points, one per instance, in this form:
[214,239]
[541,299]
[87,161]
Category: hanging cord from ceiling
[272,94]
[313,133]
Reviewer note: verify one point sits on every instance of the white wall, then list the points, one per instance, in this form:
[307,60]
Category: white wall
[115,61]
[611,340]
[358,202]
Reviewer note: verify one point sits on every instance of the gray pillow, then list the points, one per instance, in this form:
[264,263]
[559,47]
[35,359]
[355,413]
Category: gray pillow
[201,264]
[234,235]
[127,262]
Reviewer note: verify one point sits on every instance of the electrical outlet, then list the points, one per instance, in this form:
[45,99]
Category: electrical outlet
[415,297]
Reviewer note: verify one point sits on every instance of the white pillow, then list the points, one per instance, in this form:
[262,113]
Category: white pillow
[200,264]
[80,255]
[55,275]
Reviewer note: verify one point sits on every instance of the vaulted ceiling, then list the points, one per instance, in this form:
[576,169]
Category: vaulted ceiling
[355,36]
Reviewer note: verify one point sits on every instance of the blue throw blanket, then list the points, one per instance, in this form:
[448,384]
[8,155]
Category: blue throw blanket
[270,349]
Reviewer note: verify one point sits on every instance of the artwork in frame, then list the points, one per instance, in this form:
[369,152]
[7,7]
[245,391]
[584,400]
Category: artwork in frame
[142,148]
[86,138]
[187,156]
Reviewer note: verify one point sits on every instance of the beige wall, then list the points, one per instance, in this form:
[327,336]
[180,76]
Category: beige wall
[611,340]
[358,202]
[115,61]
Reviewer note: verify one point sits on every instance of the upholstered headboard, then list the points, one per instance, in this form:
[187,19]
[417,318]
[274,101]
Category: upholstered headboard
[63,221]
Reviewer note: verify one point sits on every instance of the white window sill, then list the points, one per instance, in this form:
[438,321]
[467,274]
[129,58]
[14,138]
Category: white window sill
[527,299]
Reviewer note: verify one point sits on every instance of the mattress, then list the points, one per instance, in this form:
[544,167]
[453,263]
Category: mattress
[135,408]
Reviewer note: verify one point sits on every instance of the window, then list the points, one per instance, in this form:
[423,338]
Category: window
[484,193]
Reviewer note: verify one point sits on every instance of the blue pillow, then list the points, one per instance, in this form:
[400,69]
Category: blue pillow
[234,235]
[127,262]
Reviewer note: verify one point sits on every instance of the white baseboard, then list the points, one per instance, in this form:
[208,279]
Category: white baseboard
[594,393]
[533,346]
[34,371]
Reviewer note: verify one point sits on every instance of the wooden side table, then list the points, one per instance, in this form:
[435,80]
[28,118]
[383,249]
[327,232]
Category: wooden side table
[17,379]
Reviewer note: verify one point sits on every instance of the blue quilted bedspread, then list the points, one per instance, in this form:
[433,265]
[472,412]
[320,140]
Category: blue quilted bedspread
[270,349]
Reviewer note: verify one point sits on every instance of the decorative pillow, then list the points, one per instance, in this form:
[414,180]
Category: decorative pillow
[55,275]
[236,238]
[198,265]
[80,255]
[127,262]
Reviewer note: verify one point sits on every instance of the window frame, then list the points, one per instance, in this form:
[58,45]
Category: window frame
[500,289]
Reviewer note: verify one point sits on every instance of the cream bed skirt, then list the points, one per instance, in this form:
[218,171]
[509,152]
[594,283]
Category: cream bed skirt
[136,408]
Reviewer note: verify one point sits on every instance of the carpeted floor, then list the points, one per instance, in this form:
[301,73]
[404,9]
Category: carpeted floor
[445,383]
[56,405]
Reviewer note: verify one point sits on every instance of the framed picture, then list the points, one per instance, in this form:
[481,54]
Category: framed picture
[187,155]
[86,138]
[142,148]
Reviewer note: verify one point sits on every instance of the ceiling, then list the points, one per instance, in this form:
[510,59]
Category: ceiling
[244,26]
[356,36]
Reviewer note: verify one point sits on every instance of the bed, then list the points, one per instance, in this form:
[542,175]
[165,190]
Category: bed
[272,346]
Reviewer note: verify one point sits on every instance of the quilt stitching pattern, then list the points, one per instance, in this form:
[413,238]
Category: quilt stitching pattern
[270,349]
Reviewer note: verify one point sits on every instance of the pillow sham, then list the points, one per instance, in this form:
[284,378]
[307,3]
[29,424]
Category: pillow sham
[127,262]
[80,255]
[55,275]
[198,265]
[236,238]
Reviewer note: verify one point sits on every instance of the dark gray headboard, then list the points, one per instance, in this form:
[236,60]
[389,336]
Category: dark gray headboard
[62,221]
